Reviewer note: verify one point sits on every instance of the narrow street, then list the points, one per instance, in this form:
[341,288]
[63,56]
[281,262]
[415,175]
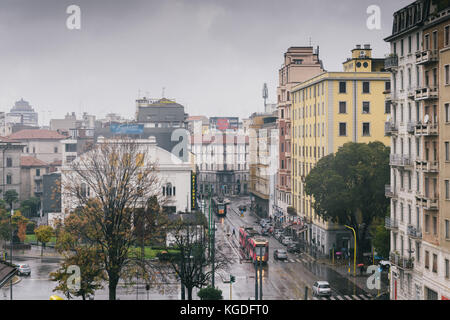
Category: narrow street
[282,280]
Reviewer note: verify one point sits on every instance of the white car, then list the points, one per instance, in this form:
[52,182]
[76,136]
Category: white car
[286,240]
[321,288]
[23,269]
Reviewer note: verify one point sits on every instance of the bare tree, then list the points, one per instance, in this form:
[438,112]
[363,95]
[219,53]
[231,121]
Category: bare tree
[107,191]
[192,261]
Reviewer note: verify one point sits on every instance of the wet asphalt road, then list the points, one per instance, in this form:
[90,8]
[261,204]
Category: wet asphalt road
[282,280]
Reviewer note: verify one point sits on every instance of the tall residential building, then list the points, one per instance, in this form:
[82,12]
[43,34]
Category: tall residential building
[329,110]
[300,64]
[24,113]
[262,158]
[162,113]
[420,172]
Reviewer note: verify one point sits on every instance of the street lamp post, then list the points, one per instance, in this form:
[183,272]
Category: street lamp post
[11,252]
[354,251]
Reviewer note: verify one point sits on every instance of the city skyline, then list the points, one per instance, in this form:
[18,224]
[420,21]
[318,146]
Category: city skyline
[188,50]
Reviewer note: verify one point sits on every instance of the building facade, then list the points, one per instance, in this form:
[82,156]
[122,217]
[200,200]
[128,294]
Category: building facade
[329,110]
[261,158]
[11,151]
[300,64]
[23,113]
[222,163]
[419,188]
[32,171]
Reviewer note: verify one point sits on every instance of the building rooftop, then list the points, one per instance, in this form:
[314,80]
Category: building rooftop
[28,134]
[27,161]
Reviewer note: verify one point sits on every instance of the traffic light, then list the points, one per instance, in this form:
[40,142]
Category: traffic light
[232,278]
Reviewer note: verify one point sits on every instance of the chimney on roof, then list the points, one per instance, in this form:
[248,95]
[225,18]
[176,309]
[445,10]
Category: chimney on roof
[367,46]
[358,46]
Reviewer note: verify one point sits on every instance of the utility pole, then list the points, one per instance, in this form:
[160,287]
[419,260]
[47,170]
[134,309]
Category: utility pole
[256,280]
[260,277]
[11,251]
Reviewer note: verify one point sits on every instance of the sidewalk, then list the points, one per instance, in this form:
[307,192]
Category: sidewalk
[359,280]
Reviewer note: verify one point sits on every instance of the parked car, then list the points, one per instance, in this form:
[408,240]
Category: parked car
[23,269]
[280,254]
[293,247]
[286,240]
[321,288]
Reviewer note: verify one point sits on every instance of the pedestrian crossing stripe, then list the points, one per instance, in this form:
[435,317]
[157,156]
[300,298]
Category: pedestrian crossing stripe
[342,298]
[298,260]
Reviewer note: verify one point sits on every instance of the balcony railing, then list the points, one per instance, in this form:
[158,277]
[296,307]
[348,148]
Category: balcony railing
[411,127]
[400,261]
[414,232]
[427,129]
[427,93]
[389,191]
[428,202]
[426,56]
[390,223]
[391,63]
[400,160]
[390,128]
[427,166]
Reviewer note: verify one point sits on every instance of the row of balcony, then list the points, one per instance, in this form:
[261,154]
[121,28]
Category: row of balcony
[428,202]
[422,57]
[418,129]
[412,231]
[426,93]
[400,160]
[400,261]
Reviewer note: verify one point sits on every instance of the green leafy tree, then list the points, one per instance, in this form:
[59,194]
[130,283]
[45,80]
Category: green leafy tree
[43,235]
[30,207]
[381,239]
[348,187]
[87,259]
[210,293]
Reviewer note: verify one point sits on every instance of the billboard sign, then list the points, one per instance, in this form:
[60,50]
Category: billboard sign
[117,128]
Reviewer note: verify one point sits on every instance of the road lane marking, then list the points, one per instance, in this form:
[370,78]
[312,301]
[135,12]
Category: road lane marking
[347,297]
[364,297]
[332,298]
[340,298]
[323,298]
[356,297]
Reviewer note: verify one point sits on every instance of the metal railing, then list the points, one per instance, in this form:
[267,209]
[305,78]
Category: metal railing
[400,261]
[414,232]
[391,62]
[390,223]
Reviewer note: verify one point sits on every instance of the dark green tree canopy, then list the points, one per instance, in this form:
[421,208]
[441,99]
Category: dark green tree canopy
[348,187]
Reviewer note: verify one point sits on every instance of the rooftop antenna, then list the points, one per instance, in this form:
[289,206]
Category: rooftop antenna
[310,42]
[163,89]
[265,95]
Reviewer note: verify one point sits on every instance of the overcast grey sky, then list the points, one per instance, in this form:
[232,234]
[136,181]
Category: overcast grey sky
[213,56]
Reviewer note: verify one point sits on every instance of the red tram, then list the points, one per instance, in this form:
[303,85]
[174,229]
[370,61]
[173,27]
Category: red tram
[253,244]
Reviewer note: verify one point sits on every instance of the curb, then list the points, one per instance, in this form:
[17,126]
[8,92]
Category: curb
[16,280]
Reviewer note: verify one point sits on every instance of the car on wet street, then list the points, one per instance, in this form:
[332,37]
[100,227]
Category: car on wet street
[280,254]
[321,288]
[23,269]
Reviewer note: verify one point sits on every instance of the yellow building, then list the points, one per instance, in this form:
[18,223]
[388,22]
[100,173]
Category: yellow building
[329,110]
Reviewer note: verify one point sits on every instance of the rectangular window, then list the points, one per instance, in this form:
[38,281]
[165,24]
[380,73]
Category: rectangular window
[342,87]
[366,129]
[409,44]
[427,223]
[427,260]
[446,35]
[342,129]
[447,270]
[447,229]
[366,107]
[366,87]
[447,77]
[447,115]
[434,263]
[9,162]
[447,190]
[342,107]
[38,172]
[434,226]
[8,179]
[387,107]
[447,151]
